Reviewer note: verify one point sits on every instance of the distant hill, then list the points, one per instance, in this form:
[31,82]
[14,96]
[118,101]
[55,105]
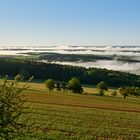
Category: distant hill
[12,66]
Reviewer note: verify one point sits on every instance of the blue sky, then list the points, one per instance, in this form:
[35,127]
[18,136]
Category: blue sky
[69,22]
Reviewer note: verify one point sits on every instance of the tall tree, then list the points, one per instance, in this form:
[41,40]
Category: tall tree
[74,85]
[50,84]
[102,86]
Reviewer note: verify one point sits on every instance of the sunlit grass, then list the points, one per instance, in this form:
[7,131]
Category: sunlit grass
[61,116]
[63,122]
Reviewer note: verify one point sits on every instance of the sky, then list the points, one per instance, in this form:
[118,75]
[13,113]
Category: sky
[69,22]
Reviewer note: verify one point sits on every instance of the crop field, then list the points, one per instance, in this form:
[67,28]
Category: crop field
[67,116]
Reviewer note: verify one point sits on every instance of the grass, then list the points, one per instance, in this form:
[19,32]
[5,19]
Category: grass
[68,116]
[65,122]
[39,94]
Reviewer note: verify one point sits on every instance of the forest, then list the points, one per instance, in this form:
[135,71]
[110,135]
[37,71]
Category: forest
[42,71]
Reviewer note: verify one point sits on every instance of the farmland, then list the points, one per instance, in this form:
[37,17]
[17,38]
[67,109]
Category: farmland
[57,115]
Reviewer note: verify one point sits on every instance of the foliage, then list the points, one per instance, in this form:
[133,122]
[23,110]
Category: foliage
[114,93]
[40,70]
[129,91]
[101,92]
[24,73]
[102,86]
[50,84]
[74,85]
[58,86]
[124,91]
[134,91]
[11,108]
[64,86]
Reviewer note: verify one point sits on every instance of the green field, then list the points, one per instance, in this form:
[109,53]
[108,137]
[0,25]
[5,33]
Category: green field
[62,116]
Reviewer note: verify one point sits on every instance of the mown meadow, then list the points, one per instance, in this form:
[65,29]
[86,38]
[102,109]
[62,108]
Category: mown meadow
[56,115]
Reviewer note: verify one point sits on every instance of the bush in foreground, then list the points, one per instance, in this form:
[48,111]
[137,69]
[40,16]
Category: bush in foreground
[11,108]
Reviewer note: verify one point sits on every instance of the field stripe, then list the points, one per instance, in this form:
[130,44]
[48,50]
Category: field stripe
[91,107]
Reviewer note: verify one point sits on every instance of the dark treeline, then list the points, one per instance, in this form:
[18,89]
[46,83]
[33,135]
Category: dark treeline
[92,76]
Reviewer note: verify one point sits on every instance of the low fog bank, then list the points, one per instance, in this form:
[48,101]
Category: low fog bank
[96,50]
[108,64]
[118,53]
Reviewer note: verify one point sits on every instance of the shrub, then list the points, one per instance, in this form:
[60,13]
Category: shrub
[11,108]
[50,84]
[114,93]
[74,85]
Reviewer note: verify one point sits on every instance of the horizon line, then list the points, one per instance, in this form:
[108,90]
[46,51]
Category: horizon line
[69,45]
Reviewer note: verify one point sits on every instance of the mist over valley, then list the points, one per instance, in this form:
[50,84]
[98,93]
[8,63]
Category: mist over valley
[121,58]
